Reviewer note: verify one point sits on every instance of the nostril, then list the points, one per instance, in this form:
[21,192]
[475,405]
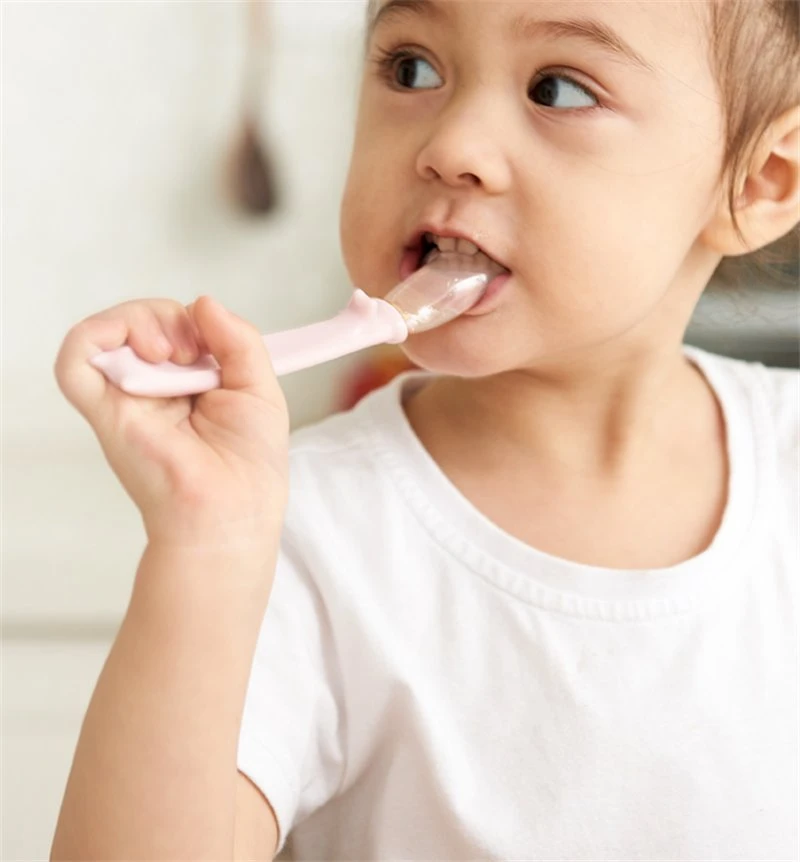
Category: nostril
[466,178]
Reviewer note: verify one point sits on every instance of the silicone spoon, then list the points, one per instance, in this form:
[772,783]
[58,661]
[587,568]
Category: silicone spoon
[434,295]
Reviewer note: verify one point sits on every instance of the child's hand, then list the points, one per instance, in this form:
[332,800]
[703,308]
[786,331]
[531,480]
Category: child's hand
[206,469]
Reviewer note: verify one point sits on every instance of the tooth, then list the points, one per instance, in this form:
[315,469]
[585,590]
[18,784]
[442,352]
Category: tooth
[467,247]
[446,243]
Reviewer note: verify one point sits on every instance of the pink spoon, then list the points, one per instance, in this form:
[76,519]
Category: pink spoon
[434,295]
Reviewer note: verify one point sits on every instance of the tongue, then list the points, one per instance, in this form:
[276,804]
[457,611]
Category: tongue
[449,284]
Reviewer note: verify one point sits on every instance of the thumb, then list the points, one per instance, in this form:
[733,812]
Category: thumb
[245,364]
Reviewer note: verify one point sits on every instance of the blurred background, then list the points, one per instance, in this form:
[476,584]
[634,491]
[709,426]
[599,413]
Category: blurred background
[173,149]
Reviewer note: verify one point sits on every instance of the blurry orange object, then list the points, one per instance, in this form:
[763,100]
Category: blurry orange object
[375,369]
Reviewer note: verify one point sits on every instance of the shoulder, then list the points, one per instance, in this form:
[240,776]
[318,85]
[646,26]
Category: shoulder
[334,451]
[349,508]
[774,396]
[782,392]
[781,389]
[338,484]
[768,401]
[771,393]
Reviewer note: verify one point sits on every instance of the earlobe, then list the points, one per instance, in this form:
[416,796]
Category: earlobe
[767,205]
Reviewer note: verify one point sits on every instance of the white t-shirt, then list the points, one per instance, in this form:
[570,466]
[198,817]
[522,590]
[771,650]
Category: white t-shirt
[427,687]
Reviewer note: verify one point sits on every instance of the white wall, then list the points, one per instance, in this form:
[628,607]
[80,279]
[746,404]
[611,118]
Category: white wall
[117,118]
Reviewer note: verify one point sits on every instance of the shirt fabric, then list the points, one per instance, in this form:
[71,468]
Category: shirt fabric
[427,687]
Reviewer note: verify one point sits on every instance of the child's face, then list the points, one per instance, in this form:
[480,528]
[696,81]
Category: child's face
[577,143]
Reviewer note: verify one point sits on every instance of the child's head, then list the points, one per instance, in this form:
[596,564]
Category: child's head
[596,148]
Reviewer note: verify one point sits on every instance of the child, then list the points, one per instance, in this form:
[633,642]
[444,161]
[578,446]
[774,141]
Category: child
[540,603]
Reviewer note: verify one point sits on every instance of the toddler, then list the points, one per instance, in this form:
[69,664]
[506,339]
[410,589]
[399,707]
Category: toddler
[538,599]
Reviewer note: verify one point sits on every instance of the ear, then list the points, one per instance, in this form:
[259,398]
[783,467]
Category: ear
[767,205]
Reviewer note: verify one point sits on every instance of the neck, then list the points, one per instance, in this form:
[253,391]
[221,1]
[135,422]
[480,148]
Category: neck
[599,411]
[592,416]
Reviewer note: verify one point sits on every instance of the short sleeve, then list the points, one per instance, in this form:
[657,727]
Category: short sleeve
[290,741]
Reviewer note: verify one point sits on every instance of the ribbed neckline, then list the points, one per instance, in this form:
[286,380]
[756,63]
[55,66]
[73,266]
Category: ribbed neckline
[551,582]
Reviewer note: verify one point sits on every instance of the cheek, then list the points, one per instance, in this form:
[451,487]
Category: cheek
[372,203]
[362,228]
[349,231]
[614,237]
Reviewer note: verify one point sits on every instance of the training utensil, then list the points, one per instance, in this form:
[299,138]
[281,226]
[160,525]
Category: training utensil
[440,291]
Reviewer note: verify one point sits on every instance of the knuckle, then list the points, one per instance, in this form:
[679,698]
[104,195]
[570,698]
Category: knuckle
[253,336]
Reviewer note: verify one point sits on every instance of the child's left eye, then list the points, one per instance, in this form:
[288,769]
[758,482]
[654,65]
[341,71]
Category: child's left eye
[560,92]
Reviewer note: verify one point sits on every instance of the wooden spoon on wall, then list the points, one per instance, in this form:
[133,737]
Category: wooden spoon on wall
[252,177]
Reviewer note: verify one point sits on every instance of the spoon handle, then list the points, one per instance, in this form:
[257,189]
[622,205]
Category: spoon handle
[364,322]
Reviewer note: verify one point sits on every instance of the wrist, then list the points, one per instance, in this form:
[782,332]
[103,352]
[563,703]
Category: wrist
[200,533]
[229,580]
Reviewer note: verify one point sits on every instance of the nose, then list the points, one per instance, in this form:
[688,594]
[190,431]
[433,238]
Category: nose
[465,149]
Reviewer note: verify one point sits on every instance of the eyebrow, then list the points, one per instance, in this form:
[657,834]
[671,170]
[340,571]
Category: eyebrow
[397,8]
[588,29]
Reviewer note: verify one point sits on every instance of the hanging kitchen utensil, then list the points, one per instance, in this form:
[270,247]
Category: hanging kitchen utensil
[252,175]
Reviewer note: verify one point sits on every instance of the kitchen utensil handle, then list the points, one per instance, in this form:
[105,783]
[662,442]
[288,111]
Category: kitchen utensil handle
[365,322]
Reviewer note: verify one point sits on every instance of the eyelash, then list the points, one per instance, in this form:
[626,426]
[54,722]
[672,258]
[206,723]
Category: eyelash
[386,60]
[566,76]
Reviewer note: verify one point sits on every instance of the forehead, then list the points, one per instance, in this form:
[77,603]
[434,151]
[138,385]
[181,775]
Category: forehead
[655,28]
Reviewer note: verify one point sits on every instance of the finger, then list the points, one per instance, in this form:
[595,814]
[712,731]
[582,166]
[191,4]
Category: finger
[82,384]
[159,329]
[178,331]
[147,337]
[238,347]
[202,347]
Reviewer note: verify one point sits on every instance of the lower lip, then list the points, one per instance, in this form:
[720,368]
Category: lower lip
[491,296]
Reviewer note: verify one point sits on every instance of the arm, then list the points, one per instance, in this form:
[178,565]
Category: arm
[154,774]
[256,833]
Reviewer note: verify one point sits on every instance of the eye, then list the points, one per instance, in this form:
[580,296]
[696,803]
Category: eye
[560,92]
[408,71]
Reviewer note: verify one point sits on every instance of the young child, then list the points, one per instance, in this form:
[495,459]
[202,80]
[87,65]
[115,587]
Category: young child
[539,599]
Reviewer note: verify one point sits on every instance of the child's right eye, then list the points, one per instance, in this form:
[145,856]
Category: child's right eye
[407,71]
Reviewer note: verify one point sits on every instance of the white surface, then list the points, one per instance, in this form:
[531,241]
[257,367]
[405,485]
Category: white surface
[71,537]
[117,120]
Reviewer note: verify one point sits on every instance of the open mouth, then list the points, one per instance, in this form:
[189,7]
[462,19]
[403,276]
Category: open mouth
[463,254]
[429,246]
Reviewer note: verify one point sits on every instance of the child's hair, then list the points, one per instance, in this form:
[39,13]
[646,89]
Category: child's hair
[756,54]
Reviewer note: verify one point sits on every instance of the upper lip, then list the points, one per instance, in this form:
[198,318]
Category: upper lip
[456,233]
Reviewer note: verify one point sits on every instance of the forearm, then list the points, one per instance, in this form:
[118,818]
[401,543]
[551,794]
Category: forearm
[154,775]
